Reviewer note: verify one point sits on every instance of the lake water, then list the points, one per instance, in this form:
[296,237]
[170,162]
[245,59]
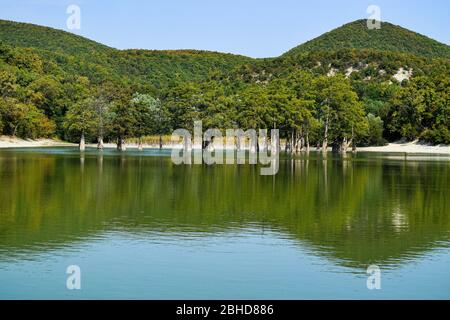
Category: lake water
[141,227]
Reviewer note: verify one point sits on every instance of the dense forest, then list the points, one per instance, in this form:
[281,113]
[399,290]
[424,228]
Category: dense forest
[349,87]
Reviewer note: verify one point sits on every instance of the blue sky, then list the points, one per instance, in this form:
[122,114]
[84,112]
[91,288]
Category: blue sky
[257,28]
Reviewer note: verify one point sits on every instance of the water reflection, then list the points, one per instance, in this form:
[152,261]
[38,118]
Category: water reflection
[355,211]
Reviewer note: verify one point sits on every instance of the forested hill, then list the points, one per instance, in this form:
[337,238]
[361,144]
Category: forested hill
[81,56]
[45,38]
[351,84]
[389,37]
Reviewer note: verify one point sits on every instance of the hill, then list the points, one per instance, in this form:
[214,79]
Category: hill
[389,37]
[81,56]
[375,85]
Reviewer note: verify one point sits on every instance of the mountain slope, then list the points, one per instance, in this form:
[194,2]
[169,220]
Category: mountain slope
[389,37]
[79,55]
[45,38]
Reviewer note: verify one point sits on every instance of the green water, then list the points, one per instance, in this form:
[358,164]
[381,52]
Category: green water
[141,227]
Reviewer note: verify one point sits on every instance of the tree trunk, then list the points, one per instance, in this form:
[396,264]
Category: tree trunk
[325,138]
[140,147]
[293,141]
[286,146]
[100,145]
[344,145]
[341,146]
[336,147]
[307,141]
[121,144]
[353,140]
[297,142]
[160,142]
[82,143]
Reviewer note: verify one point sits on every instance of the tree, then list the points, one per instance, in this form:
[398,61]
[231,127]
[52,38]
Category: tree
[103,119]
[421,109]
[182,102]
[123,122]
[24,120]
[81,120]
[341,112]
[296,97]
[148,115]
[374,135]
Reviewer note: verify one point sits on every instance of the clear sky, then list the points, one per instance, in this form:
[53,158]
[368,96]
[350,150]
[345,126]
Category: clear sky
[256,28]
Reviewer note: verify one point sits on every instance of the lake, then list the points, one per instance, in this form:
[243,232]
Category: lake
[140,227]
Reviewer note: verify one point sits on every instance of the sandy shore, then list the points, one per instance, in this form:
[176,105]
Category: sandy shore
[13,142]
[408,147]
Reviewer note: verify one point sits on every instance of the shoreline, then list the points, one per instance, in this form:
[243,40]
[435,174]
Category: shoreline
[397,147]
[7,142]
[410,148]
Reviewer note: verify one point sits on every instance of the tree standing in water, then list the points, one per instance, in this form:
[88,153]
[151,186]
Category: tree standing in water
[148,116]
[123,122]
[103,118]
[80,119]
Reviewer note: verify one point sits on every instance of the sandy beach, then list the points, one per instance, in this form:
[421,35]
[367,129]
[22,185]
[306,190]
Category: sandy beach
[409,147]
[13,142]
[398,147]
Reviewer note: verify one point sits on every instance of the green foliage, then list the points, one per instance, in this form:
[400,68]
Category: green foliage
[56,83]
[80,118]
[421,109]
[374,136]
[24,120]
[388,38]
[148,113]
[124,120]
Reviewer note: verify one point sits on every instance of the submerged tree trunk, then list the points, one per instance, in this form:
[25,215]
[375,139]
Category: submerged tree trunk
[307,141]
[341,145]
[292,142]
[296,144]
[353,140]
[344,145]
[121,144]
[82,144]
[100,145]
[336,147]
[286,145]
[325,138]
